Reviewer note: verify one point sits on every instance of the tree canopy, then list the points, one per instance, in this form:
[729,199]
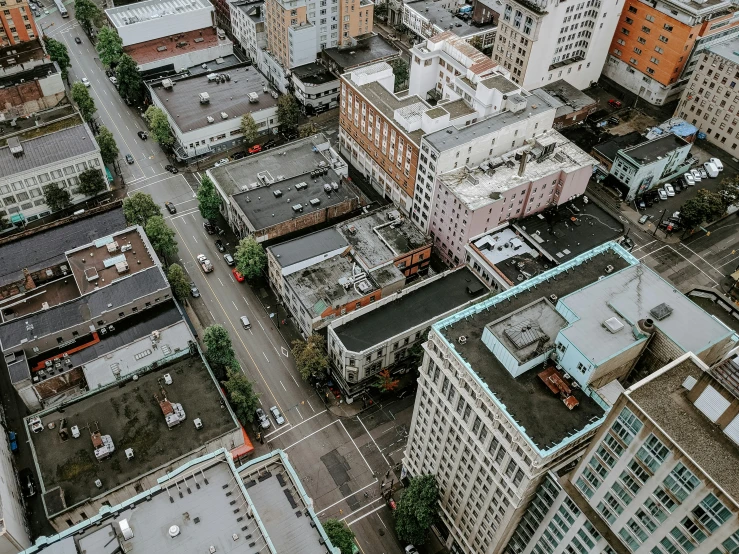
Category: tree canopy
[244,400]
[58,53]
[161,237]
[139,208]
[288,112]
[109,46]
[219,347]
[310,356]
[84,101]
[56,197]
[209,201]
[417,509]
[249,127]
[86,13]
[130,85]
[92,182]
[307,130]
[250,258]
[178,281]
[340,535]
[386,382]
[108,147]
[159,126]
[400,71]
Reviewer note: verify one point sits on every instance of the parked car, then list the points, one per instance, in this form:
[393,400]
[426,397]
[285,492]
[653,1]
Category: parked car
[142,135]
[245,323]
[688,179]
[204,263]
[678,186]
[222,161]
[238,155]
[255,149]
[209,227]
[662,194]
[649,200]
[614,103]
[696,175]
[641,204]
[238,276]
[229,259]
[268,144]
[279,420]
[643,219]
[129,159]
[28,488]
[717,163]
[86,82]
[669,190]
[78,40]
[703,172]
[13,438]
[194,291]
[220,246]
[614,120]
[113,80]
[171,169]
[262,418]
[710,169]
[171,208]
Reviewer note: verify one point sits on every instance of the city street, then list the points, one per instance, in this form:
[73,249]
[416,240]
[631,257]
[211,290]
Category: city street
[319,443]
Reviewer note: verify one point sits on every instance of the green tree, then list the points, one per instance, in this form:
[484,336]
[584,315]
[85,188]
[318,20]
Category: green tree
[713,203]
[108,147]
[250,128]
[417,509]
[86,14]
[159,126]
[244,400]
[692,213]
[340,535]
[84,101]
[109,46]
[385,381]
[58,53]
[56,197]
[130,85]
[209,201]
[161,237]
[307,130]
[178,281]
[92,182]
[729,189]
[380,11]
[476,42]
[139,208]
[288,113]
[250,258]
[310,356]
[220,351]
[400,71]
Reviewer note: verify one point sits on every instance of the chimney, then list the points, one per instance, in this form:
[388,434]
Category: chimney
[28,280]
[522,166]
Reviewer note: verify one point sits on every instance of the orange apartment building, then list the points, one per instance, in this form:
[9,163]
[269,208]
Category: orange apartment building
[655,46]
[18,24]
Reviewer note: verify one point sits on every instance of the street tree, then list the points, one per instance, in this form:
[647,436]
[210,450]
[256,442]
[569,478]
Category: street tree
[250,258]
[288,113]
[713,203]
[92,182]
[56,197]
[109,46]
[476,42]
[386,382]
[209,201]
[86,13]
[108,147]
[692,213]
[220,351]
[340,535]
[244,400]
[400,71]
[307,130]
[310,356]
[84,101]
[58,53]
[159,126]
[161,237]
[250,128]
[417,509]
[139,208]
[130,85]
[729,189]
[178,281]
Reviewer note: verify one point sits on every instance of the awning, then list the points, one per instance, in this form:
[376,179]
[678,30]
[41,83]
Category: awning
[109,175]
[17,218]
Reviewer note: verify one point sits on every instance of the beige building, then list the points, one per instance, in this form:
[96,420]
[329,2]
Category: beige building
[710,100]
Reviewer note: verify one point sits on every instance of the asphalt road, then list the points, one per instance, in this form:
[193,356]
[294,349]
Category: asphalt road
[321,445]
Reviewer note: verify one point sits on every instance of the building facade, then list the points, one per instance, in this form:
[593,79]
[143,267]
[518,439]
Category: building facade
[14,533]
[651,50]
[427,18]
[315,87]
[547,40]
[248,28]
[710,101]
[17,24]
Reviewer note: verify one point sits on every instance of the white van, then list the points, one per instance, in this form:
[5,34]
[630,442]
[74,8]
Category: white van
[245,322]
[711,169]
[717,163]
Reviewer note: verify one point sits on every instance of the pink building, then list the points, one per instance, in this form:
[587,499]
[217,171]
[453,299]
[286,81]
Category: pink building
[470,201]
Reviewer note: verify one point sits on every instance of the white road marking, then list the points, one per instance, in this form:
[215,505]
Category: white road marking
[154,183]
[262,326]
[266,358]
[296,382]
[702,258]
[285,351]
[653,252]
[313,433]
[352,494]
[195,238]
[350,523]
[234,303]
[301,423]
[373,440]
[301,415]
[245,300]
[252,333]
[221,282]
[283,386]
[355,445]
[277,431]
[311,405]
[643,246]
[211,315]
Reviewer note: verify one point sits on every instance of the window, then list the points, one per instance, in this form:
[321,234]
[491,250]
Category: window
[646,29]
[711,513]
[681,482]
[652,453]
[649,18]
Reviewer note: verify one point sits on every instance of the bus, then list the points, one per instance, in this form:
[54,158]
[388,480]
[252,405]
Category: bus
[62,10]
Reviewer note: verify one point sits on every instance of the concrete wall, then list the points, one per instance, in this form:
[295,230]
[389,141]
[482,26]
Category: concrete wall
[31,96]
[191,59]
[162,26]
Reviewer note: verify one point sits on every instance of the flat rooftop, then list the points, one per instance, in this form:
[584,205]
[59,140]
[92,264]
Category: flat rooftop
[15,56]
[48,146]
[264,209]
[563,238]
[314,74]
[512,254]
[664,399]
[167,47]
[571,98]
[440,16]
[542,416]
[421,303]
[650,151]
[727,50]
[40,71]
[207,500]
[451,137]
[133,419]
[631,295]
[369,49]
[309,246]
[478,188]
[376,239]
[610,148]
[182,101]
[148,10]
[294,158]
[46,248]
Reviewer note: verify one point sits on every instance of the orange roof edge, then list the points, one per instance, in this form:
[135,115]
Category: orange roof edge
[245,449]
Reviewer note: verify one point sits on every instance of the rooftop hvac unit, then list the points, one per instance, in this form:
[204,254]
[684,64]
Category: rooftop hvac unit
[613,324]
[301,186]
[298,208]
[253,97]
[121,267]
[277,193]
[224,115]
[167,84]
[392,215]
[210,119]
[204,98]
[315,202]
[327,187]
[335,186]
[126,530]
[112,247]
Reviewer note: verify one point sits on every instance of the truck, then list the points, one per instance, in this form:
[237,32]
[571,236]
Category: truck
[205,263]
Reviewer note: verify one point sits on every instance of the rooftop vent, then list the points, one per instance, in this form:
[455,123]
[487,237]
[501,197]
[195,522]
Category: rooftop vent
[210,119]
[224,115]
[174,531]
[613,324]
[661,311]
[315,202]
[277,193]
[301,185]
[16,148]
[298,208]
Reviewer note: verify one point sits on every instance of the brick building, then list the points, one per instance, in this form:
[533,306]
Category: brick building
[35,89]
[17,24]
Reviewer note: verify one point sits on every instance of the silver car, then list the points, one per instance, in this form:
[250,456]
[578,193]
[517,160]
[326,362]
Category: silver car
[277,415]
[263,420]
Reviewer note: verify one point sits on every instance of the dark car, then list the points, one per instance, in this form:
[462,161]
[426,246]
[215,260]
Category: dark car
[649,201]
[268,144]
[219,231]
[171,169]
[129,158]
[28,488]
[614,103]
[142,135]
[219,245]
[194,291]
[78,40]
[171,208]
[209,228]
[238,155]
[641,204]
[614,120]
